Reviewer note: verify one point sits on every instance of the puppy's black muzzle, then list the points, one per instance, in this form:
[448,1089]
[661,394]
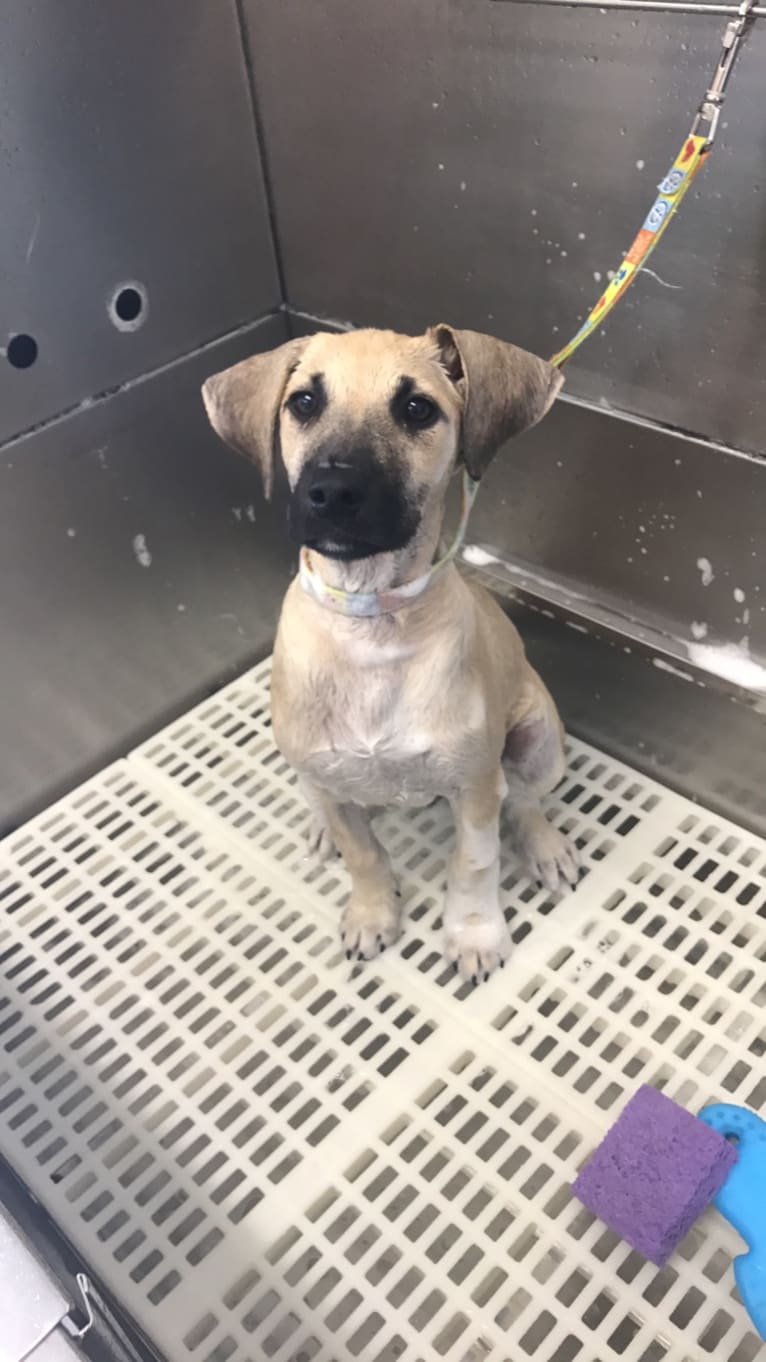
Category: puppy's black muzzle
[350,507]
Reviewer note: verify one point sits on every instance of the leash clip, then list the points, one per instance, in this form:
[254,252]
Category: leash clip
[708,112]
[710,109]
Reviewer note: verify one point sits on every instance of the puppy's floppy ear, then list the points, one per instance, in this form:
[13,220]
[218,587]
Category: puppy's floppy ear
[504,390]
[243,403]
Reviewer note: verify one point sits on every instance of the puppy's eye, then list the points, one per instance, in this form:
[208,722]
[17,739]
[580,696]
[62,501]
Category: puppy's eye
[303,404]
[419,411]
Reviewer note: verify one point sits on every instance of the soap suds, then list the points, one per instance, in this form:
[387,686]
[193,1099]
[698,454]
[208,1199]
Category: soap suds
[478,557]
[143,556]
[731,661]
[706,569]
[663,666]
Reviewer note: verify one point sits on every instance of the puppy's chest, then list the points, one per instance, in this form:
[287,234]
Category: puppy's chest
[387,741]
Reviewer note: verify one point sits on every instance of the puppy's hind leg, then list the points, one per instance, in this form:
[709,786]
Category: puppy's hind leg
[319,842]
[534,762]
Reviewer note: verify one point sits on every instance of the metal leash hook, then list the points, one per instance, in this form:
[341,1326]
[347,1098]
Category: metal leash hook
[710,109]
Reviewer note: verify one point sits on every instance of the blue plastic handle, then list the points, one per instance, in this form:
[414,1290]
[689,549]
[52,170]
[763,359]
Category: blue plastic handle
[742,1200]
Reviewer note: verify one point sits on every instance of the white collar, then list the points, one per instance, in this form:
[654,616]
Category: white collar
[368,604]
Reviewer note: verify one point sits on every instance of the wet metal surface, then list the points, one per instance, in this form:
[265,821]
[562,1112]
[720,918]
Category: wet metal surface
[662,528]
[127,158]
[487,164]
[139,567]
[696,740]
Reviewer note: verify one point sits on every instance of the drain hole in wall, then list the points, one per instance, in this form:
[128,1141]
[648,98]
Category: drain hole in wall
[128,307]
[21,351]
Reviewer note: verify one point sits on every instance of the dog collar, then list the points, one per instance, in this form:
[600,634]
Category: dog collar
[368,604]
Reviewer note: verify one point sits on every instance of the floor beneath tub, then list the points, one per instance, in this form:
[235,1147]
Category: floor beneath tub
[266,1152]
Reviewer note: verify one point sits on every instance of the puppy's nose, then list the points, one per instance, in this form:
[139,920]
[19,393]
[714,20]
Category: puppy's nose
[336,493]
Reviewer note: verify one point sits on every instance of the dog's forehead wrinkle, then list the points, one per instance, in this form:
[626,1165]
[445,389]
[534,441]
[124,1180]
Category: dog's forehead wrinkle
[380,357]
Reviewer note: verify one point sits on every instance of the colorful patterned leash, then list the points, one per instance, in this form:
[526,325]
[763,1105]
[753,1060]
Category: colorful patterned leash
[675,185]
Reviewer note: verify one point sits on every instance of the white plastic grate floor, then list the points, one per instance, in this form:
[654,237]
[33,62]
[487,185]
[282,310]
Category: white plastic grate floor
[269,1153]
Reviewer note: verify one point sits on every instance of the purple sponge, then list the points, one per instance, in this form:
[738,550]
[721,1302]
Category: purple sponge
[654,1173]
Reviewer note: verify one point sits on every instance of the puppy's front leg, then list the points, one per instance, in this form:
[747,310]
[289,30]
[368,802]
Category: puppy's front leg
[476,937]
[371,918]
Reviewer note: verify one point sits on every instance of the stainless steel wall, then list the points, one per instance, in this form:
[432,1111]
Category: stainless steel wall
[127,154]
[658,532]
[487,164]
[425,161]
[137,565]
[489,160]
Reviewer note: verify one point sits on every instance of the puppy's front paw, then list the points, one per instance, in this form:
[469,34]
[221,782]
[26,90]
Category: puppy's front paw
[367,928]
[476,945]
[546,854]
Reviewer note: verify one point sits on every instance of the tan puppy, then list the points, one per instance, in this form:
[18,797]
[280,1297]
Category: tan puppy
[432,694]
